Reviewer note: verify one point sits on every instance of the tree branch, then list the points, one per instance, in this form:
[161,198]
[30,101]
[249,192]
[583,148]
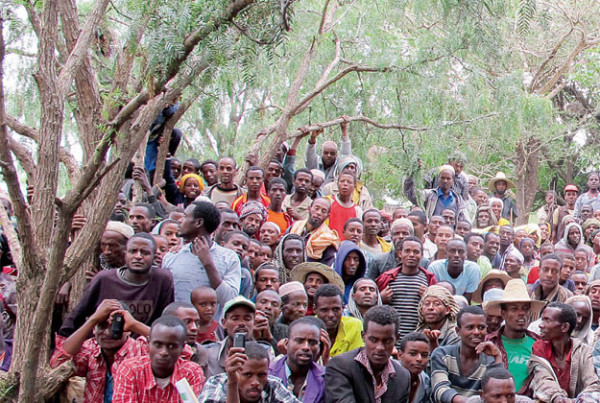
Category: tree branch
[23,155]
[80,50]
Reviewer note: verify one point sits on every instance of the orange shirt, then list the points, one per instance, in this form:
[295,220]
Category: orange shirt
[282,220]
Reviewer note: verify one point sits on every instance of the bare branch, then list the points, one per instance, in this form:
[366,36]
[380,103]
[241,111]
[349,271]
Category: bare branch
[23,155]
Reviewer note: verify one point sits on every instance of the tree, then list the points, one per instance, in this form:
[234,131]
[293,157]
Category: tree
[164,50]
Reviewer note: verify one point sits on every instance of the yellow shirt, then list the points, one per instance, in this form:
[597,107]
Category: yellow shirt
[349,336]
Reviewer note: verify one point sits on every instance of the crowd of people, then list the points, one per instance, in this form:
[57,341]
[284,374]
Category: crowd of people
[295,288]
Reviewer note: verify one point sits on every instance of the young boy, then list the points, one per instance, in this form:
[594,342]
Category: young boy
[238,242]
[413,353]
[204,300]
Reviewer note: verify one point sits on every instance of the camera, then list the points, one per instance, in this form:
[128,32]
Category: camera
[117,325]
[239,340]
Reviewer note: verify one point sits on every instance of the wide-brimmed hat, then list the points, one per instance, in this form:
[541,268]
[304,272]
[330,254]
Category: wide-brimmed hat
[500,176]
[301,271]
[516,292]
[493,274]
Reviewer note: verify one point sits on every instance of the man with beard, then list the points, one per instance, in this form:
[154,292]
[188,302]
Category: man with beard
[561,367]
[297,369]
[229,221]
[461,273]
[491,246]
[152,377]
[254,182]
[298,203]
[294,302]
[498,186]
[275,212]
[113,244]
[226,190]
[252,216]
[203,262]
[238,317]
[146,291]
[407,283]
[456,370]
[121,211]
[344,332]
[321,242]
[591,197]
[513,339]
[370,374]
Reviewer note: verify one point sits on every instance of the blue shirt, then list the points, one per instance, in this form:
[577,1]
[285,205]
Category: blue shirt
[466,282]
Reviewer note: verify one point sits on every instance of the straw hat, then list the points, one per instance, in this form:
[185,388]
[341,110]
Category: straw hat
[493,274]
[301,271]
[516,292]
[500,176]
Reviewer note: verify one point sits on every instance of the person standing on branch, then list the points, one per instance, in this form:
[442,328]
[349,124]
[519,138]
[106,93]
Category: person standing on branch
[498,186]
[329,152]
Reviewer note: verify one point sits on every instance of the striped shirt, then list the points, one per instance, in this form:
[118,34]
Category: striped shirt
[406,299]
[446,379]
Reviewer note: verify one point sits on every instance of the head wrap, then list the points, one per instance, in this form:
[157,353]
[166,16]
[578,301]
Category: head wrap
[188,176]
[271,223]
[518,255]
[590,221]
[291,287]
[446,168]
[351,159]
[120,228]
[591,284]
[458,156]
[386,215]
[493,200]
[485,207]
[403,221]
[157,227]
[284,272]
[352,307]
[590,239]
[317,172]
[253,207]
[443,295]
[586,334]
[565,239]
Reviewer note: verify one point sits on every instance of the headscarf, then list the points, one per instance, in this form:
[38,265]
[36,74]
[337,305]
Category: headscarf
[350,159]
[516,254]
[284,272]
[253,207]
[188,176]
[565,238]
[493,219]
[157,227]
[586,334]
[403,221]
[446,168]
[534,229]
[447,299]
[352,308]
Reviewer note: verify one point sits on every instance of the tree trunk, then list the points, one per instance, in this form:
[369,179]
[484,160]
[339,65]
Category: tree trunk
[527,164]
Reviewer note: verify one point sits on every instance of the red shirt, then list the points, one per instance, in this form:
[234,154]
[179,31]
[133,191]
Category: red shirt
[90,363]
[543,349]
[135,383]
[243,199]
[338,216]
[534,275]
[211,335]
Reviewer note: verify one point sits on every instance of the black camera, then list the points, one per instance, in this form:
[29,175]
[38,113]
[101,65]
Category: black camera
[117,325]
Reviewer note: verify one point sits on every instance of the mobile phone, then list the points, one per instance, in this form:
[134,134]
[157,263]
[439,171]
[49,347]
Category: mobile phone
[239,340]
[117,326]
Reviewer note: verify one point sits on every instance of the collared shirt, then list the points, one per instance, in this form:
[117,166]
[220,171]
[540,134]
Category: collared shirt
[446,200]
[543,349]
[379,390]
[189,273]
[349,336]
[312,390]
[90,363]
[215,391]
[135,382]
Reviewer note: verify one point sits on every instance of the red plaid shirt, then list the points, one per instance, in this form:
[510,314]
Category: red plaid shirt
[90,363]
[135,383]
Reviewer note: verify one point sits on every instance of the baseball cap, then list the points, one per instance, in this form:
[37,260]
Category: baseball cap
[571,188]
[237,301]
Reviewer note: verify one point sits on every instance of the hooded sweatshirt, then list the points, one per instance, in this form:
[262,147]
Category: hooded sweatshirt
[338,265]
[563,245]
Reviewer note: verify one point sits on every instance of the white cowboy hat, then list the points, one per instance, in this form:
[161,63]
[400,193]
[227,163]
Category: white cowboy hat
[500,176]
[516,292]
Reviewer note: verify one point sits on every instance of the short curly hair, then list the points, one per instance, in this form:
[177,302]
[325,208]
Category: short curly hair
[209,213]
[382,315]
